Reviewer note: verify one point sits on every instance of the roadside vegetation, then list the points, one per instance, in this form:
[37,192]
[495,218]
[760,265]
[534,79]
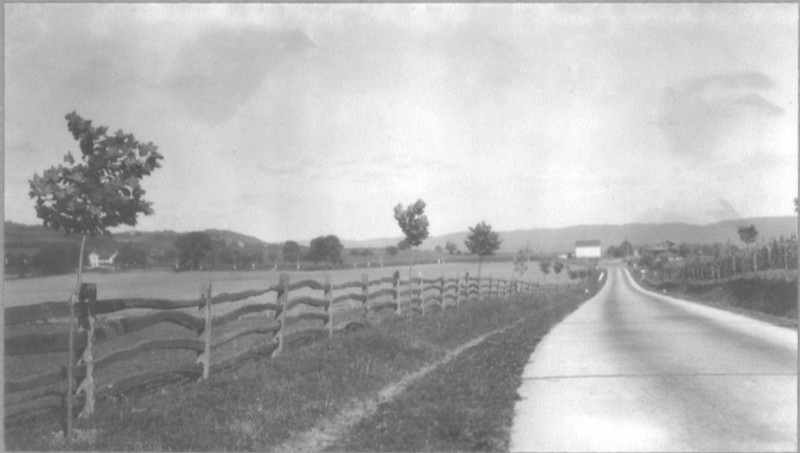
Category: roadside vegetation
[770,296]
[261,404]
[467,404]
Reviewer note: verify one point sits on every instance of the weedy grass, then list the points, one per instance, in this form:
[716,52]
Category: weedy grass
[766,297]
[263,402]
[467,404]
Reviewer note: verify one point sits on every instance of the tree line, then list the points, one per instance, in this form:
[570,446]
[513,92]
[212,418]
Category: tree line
[721,260]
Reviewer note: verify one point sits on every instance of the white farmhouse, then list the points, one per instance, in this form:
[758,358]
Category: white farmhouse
[588,249]
[96,262]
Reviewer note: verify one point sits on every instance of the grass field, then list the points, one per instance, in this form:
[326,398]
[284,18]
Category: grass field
[187,285]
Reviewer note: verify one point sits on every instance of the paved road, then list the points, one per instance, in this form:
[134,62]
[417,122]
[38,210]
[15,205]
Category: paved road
[634,371]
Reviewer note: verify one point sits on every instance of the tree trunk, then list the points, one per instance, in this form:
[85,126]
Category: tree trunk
[785,260]
[71,358]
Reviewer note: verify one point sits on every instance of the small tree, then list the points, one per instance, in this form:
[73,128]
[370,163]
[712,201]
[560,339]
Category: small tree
[544,266]
[482,241]
[391,250]
[748,235]
[102,191]
[451,247]
[413,222]
[520,263]
[558,266]
[326,248]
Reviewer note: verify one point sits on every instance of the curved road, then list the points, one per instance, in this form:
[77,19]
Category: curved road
[631,370]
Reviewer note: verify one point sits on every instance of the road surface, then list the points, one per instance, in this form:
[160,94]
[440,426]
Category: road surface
[635,371]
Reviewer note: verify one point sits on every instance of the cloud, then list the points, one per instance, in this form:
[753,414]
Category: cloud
[759,105]
[224,67]
[733,81]
[699,113]
[726,212]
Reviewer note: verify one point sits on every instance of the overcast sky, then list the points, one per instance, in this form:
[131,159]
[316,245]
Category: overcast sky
[294,121]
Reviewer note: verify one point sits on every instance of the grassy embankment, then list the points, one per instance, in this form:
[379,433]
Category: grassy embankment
[465,404]
[770,296]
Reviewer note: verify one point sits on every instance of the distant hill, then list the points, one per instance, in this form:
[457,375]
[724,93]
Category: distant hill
[29,239]
[553,240]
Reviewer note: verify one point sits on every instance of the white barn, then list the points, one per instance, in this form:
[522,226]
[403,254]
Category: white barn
[588,249]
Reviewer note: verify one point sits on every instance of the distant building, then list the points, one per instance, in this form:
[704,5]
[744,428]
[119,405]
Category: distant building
[663,247]
[588,249]
[96,262]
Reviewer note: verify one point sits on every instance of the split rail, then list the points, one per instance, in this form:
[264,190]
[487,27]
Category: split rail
[116,337]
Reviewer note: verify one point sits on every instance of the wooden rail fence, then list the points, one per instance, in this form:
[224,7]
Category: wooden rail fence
[316,310]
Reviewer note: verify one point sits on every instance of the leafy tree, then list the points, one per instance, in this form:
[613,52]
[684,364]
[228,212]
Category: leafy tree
[451,247]
[132,255]
[413,222]
[403,245]
[558,266]
[748,235]
[291,251]
[367,252]
[18,263]
[572,274]
[482,241]
[544,266]
[193,248]
[219,251]
[102,191]
[438,249]
[56,259]
[391,250]
[626,247]
[614,251]
[326,248]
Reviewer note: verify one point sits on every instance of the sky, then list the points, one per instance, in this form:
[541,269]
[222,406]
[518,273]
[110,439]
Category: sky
[292,121]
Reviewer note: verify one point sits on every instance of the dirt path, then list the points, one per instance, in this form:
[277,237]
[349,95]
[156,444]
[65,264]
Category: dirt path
[327,431]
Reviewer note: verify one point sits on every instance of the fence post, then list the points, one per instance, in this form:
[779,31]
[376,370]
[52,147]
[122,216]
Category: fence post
[466,287]
[87,300]
[410,291]
[396,287]
[329,303]
[441,292]
[458,290]
[205,356]
[283,298]
[421,293]
[365,293]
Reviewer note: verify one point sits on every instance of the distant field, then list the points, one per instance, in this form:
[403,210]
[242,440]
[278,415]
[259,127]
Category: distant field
[187,285]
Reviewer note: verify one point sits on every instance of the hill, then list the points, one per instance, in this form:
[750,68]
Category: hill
[554,240]
[29,239]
